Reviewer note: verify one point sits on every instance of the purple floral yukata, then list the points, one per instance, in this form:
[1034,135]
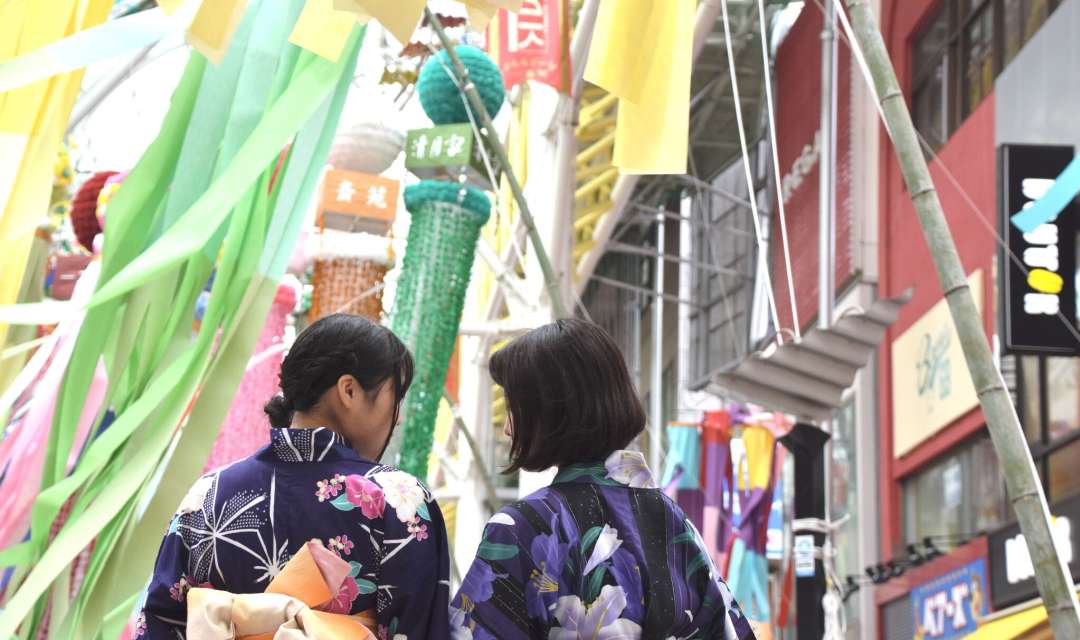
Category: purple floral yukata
[602,554]
[239,525]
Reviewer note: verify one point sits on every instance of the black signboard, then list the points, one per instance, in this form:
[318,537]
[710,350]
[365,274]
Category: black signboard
[1012,578]
[1035,297]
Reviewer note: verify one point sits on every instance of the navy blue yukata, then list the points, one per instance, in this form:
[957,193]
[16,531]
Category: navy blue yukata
[601,554]
[239,525]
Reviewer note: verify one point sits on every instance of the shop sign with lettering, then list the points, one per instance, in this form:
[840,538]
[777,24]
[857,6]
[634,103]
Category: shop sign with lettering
[533,43]
[354,201]
[951,605]
[447,152]
[1038,290]
[1012,575]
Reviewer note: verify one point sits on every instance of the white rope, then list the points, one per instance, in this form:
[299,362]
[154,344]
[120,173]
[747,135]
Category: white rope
[860,59]
[749,174]
[766,68]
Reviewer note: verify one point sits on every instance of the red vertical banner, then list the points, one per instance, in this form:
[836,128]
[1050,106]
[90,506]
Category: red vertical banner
[533,44]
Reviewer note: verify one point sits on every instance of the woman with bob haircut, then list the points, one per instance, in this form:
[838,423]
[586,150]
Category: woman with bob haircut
[602,552]
[342,385]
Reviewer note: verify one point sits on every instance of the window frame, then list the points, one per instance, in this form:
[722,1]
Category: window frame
[954,53]
[1045,447]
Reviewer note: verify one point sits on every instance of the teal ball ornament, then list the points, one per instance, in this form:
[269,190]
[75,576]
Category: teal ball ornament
[439,95]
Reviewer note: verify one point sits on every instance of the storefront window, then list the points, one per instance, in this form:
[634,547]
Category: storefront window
[1063,401]
[1064,479]
[959,52]
[1048,401]
[843,493]
[978,56]
[1022,18]
[959,496]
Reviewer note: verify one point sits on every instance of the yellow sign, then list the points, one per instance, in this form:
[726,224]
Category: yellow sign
[931,385]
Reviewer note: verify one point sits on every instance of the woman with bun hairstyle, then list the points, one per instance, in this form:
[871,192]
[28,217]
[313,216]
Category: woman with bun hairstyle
[342,385]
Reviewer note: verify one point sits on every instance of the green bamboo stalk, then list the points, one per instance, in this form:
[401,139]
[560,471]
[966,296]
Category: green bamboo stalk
[1025,491]
[551,282]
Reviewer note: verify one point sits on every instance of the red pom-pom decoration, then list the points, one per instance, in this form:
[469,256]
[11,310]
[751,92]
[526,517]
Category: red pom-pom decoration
[84,209]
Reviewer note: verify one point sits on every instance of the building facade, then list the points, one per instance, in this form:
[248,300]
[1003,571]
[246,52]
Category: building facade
[982,77]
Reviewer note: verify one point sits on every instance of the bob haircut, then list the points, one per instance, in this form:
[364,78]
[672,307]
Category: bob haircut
[569,395]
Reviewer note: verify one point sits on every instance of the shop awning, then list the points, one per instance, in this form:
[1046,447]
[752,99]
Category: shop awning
[808,378]
[1013,623]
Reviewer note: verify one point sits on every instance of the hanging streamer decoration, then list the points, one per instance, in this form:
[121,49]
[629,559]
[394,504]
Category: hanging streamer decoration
[176,218]
[445,226]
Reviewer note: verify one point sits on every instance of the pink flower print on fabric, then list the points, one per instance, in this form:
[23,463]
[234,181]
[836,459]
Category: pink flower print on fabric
[342,602]
[341,545]
[418,531]
[365,494]
[179,590]
[329,489]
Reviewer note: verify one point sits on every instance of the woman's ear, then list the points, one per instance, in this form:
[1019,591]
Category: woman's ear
[348,390]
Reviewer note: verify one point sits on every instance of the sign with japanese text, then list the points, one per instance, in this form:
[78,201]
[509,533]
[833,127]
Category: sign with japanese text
[1038,295]
[448,152]
[1012,574]
[354,201]
[804,556]
[533,44]
[931,385]
[951,605]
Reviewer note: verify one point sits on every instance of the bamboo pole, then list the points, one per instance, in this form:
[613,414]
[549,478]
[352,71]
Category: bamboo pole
[551,282]
[1025,491]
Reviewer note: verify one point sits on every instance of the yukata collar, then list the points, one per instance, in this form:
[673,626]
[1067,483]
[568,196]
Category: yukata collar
[309,445]
[622,468]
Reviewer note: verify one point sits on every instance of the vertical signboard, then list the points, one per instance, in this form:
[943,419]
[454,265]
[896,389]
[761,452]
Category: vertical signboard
[1038,289]
[533,43]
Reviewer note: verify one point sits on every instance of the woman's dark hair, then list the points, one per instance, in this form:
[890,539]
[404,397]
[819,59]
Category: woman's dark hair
[569,395]
[337,345]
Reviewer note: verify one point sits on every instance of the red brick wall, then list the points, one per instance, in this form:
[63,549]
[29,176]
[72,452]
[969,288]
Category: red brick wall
[798,116]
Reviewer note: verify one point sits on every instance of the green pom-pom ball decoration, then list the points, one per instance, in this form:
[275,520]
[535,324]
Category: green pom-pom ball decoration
[439,95]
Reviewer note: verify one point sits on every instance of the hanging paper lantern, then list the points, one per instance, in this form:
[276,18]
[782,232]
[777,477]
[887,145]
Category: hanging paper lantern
[445,226]
[84,219]
[367,147]
[439,95]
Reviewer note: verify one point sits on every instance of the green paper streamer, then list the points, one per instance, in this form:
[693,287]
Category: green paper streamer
[138,323]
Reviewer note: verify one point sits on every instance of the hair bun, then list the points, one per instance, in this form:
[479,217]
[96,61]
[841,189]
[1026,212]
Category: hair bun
[280,412]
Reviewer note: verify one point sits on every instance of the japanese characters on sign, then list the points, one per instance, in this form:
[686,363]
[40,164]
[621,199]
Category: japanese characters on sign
[533,44]
[448,152]
[1038,296]
[1012,573]
[950,606]
[354,201]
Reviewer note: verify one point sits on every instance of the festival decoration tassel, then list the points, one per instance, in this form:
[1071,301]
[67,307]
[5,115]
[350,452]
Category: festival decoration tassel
[445,226]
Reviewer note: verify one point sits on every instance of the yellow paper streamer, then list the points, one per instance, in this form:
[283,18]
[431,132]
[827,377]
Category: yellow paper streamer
[322,29]
[642,52]
[169,6]
[32,123]
[214,26]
